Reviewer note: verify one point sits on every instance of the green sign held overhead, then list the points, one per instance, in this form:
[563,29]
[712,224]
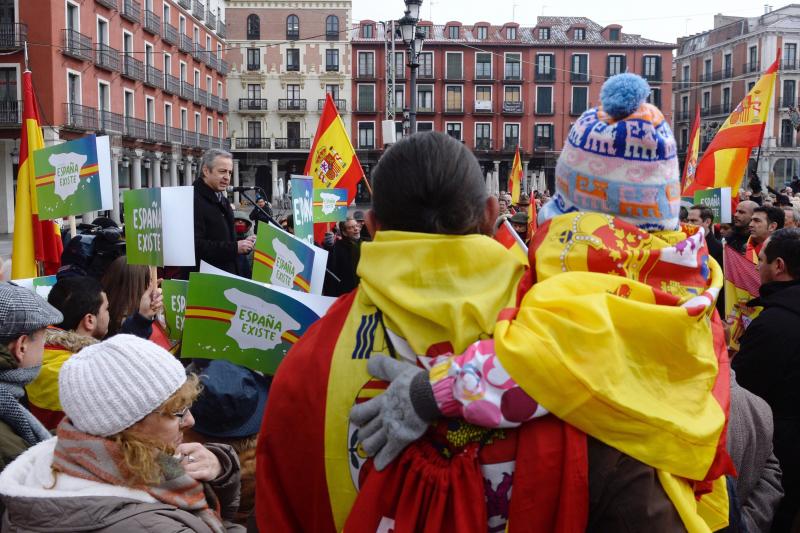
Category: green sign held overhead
[156,229]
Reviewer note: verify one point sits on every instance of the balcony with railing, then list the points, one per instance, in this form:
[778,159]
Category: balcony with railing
[154,77]
[172,84]
[110,4]
[292,104]
[652,76]
[185,45]
[10,113]
[198,52]
[511,144]
[221,29]
[682,85]
[483,106]
[152,22]
[262,143]
[790,64]
[170,34]
[513,107]
[365,75]
[543,143]
[713,110]
[223,105]
[579,77]
[340,104]
[155,132]
[201,97]
[174,135]
[727,73]
[252,104]
[224,67]
[77,45]
[544,108]
[131,10]
[198,9]
[483,144]
[185,4]
[108,122]
[292,144]
[213,102]
[682,115]
[135,128]
[751,68]
[13,35]
[187,91]
[512,75]
[80,117]
[132,68]
[213,62]
[211,20]
[546,75]
[107,58]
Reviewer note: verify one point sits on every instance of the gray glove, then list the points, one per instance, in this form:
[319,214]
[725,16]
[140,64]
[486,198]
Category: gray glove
[396,418]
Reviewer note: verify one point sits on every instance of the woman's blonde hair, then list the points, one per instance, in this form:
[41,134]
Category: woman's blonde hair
[139,462]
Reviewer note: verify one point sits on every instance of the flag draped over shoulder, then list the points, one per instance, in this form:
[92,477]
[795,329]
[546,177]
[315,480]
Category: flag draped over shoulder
[725,160]
[690,167]
[742,284]
[515,179]
[34,239]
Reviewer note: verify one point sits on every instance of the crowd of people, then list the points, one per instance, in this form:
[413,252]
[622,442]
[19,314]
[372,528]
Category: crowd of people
[593,380]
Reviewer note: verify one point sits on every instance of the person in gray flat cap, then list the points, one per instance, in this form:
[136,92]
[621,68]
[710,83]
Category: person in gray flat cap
[23,319]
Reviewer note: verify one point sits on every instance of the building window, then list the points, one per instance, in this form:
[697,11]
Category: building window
[787,133]
[511,33]
[293,60]
[483,66]
[453,129]
[332,60]
[684,140]
[425,65]
[616,65]
[707,70]
[544,34]
[790,55]
[544,100]
[512,67]
[483,98]
[706,101]
[613,34]
[425,98]
[579,34]
[726,99]
[399,97]
[424,126]
[481,32]
[651,68]
[511,137]
[452,32]
[727,65]
[366,65]
[483,136]
[654,97]
[254,134]
[454,70]
[168,115]
[332,28]
[73,88]
[292,27]
[293,93]
[454,98]
[543,136]
[254,91]
[752,55]
[253,59]
[580,68]
[366,97]
[253,27]
[367,31]
[580,100]
[426,34]
[332,90]
[366,135]
[686,73]
[545,67]
[685,107]
[512,93]
[400,65]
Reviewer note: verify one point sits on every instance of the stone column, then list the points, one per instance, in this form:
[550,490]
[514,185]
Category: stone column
[275,193]
[116,155]
[155,169]
[136,169]
[496,179]
[236,181]
[188,178]
[173,169]
[525,187]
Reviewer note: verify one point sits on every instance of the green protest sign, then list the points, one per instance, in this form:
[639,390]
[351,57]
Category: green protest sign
[718,200]
[73,177]
[302,199]
[156,232]
[330,205]
[242,321]
[174,292]
[282,259]
[40,285]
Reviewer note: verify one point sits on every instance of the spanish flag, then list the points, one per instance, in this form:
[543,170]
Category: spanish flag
[506,236]
[725,161]
[332,162]
[690,168]
[515,179]
[34,239]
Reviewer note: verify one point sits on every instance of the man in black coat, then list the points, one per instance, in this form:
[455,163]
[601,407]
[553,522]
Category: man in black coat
[343,257]
[768,362]
[214,236]
[701,215]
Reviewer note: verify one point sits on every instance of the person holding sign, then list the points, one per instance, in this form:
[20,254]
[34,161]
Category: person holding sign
[214,237]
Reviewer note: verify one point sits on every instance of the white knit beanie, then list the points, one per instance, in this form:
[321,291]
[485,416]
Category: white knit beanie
[109,386]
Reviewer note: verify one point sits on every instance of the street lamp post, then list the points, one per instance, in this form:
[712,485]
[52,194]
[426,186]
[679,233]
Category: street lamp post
[413,40]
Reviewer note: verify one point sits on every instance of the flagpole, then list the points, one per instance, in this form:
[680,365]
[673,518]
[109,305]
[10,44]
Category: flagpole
[25,43]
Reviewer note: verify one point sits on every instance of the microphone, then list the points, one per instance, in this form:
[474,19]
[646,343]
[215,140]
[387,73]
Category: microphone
[241,189]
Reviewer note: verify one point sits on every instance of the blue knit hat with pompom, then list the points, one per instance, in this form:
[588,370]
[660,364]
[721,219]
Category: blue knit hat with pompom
[620,158]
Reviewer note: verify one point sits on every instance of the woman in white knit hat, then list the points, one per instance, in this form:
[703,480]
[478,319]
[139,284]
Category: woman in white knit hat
[118,463]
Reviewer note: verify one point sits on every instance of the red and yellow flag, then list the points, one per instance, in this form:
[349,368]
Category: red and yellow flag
[332,162]
[690,168]
[515,179]
[742,284]
[725,161]
[506,236]
[34,239]
[532,214]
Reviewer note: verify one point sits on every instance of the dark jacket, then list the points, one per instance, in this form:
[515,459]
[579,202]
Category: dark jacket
[768,365]
[342,263]
[214,236]
[738,239]
[715,249]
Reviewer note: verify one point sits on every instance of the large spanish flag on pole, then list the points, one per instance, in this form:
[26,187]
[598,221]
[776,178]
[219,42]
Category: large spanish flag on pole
[332,162]
[34,239]
[724,163]
[690,167]
[515,178]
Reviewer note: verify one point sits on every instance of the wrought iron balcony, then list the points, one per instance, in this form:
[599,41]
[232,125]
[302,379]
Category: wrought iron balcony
[135,128]
[545,75]
[579,77]
[682,116]
[185,4]
[483,144]
[513,107]
[80,117]
[133,68]
[340,104]
[10,112]
[198,52]
[131,10]
[155,132]
[544,109]
[152,22]
[185,45]
[652,76]
[174,135]
[221,29]
[172,84]
[107,58]
[108,122]
[198,10]
[224,67]
[154,77]
[789,64]
[292,144]
[366,75]
[213,62]
[211,20]
[13,35]
[201,97]
[510,144]
[543,143]
[511,75]
[288,104]
[213,102]
[454,109]
[751,68]
[77,45]
[187,91]
[170,34]
[252,104]
[712,110]
[110,4]
[223,105]
[253,143]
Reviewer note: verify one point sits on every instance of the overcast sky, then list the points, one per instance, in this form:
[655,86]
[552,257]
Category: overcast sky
[654,20]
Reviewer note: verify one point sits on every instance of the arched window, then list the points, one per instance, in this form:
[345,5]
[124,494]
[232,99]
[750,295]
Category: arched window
[332,28]
[292,27]
[253,27]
